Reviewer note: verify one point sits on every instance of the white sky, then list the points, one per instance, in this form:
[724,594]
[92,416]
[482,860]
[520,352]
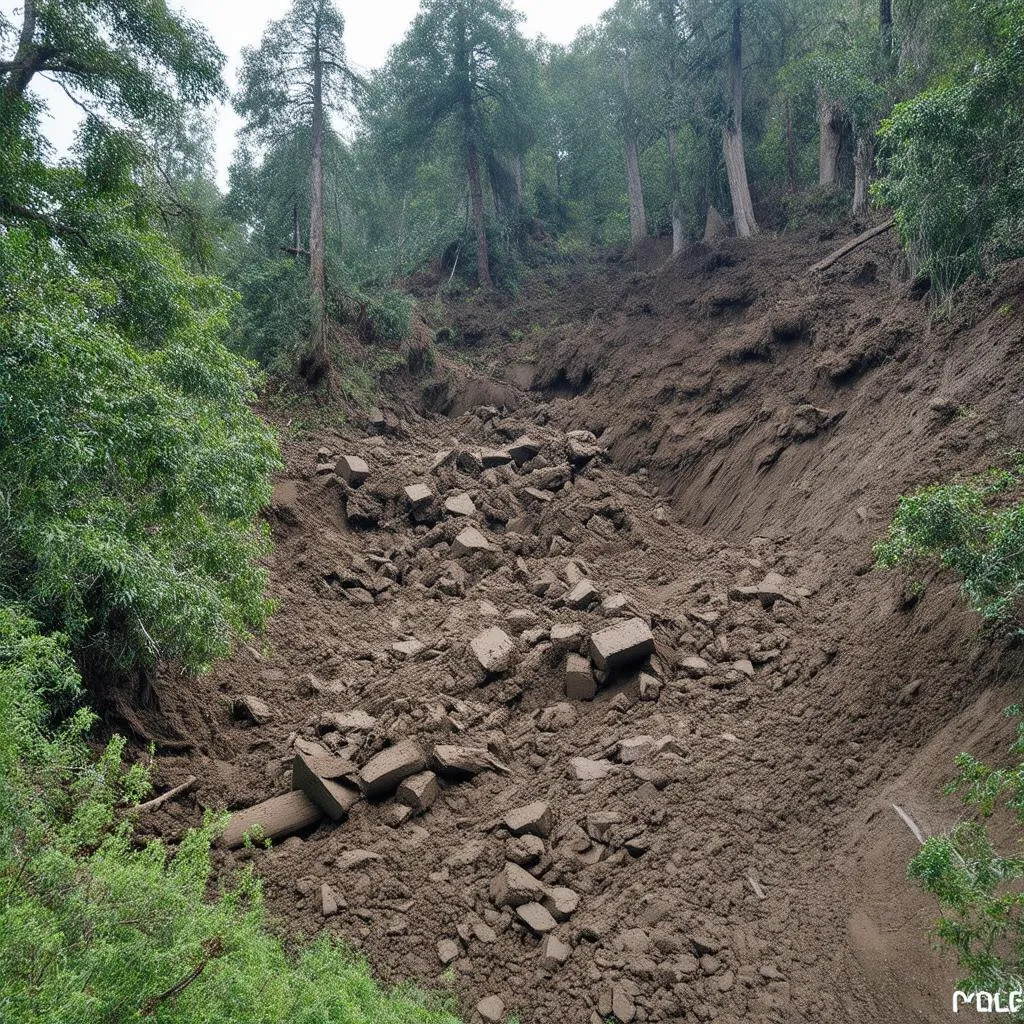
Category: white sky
[372,27]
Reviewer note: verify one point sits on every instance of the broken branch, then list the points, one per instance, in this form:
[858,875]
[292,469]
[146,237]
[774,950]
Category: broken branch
[850,246]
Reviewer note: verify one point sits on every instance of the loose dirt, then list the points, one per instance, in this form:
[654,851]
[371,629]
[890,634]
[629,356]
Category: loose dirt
[719,841]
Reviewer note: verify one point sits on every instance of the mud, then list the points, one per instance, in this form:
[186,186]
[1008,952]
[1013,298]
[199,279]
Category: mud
[722,843]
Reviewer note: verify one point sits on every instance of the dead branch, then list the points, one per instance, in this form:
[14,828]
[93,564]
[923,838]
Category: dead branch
[212,948]
[850,246]
[171,794]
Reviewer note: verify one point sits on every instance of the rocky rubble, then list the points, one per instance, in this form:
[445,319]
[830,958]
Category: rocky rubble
[500,759]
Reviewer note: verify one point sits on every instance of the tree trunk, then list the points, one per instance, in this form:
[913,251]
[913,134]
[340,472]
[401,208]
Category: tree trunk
[518,177]
[678,236]
[398,261]
[714,226]
[27,56]
[830,139]
[634,184]
[476,192]
[637,213]
[497,191]
[862,164]
[317,271]
[732,135]
[885,28]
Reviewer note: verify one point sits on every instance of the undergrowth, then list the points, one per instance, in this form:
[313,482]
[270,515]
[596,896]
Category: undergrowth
[973,528]
[98,927]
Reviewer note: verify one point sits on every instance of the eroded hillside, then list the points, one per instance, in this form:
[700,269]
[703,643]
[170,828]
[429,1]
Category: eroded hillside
[719,841]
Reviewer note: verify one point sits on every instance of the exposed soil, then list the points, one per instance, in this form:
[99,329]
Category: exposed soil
[736,854]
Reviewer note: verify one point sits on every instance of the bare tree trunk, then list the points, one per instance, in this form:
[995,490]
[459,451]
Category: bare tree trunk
[637,213]
[862,164]
[476,192]
[317,270]
[732,136]
[830,139]
[678,236]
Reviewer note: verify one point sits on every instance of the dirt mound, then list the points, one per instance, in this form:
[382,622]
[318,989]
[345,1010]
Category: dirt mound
[716,839]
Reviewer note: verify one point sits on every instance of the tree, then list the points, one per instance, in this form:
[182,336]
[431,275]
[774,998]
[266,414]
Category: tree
[585,140]
[671,56]
[290,84]
[132,67]
[732,132]
[623,37]
[138,60]
[131,464]
[464,69]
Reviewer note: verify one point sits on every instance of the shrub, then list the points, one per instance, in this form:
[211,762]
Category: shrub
[389,316]
[975,529]
[95,927]
[274,321]
[978,888]
[131,469]
[954,158]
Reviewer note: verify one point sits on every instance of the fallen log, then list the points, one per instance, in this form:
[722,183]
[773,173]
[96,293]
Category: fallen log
[276,818]
[850,246]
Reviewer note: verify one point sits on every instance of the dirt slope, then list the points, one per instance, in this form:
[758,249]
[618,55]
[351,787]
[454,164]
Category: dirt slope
[739,857]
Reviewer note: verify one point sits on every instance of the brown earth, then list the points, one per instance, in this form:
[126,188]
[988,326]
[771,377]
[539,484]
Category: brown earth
[745,861]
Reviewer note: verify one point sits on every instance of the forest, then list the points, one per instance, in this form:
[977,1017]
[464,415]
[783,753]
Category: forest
[171,349]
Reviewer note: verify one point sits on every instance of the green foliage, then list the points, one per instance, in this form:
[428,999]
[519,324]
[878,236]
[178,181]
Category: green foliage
[389,316]
[461,83]
[131,466]
[130,474]
[140,60]
[95,927]
[278,78]
[975,529]
[979,888]
[273,321]
[954,156]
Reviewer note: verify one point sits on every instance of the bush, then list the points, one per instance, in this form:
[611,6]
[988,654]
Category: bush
[979,889]
[96,928]
[274,321]
[389,317]
[954,159]
[975,529]
[131,470]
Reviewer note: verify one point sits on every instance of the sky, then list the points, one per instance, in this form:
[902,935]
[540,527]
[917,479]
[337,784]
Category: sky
[372,27]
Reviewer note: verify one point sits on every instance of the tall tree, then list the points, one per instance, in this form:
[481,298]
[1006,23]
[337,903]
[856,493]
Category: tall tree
[626,31]
[671,37]
[290,83]
[463,71]
[732,132]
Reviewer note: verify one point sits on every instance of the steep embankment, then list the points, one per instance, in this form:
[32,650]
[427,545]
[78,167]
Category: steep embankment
[728,850]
